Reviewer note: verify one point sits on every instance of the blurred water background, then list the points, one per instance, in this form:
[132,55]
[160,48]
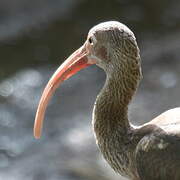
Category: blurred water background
[35,38]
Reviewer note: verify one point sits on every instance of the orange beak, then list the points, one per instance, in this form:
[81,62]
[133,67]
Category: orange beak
[77,61]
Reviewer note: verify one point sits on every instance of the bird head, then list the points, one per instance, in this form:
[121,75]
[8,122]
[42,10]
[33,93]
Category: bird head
[110,45]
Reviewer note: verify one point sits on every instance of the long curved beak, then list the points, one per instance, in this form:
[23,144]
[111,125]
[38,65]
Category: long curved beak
[77,61]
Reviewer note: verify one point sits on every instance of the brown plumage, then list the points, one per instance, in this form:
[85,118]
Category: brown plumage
[147,152]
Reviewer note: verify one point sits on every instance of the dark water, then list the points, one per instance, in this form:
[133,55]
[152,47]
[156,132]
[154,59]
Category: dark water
[35,37]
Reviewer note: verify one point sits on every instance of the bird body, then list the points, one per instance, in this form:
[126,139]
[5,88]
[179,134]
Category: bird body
[147,152]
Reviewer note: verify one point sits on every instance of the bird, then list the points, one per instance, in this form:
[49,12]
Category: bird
[150,151]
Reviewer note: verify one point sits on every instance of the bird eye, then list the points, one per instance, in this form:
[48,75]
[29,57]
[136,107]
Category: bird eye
[90,40]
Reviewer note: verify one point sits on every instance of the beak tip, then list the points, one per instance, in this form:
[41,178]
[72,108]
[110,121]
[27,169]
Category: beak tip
[37,136]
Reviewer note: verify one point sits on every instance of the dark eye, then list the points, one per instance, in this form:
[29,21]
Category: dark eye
[90,40]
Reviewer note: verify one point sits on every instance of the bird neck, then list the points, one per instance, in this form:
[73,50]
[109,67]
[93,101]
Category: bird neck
[113,132]
[111,107]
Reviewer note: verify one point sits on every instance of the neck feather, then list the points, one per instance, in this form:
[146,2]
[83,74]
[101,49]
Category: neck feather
[113,131]
[111,106]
